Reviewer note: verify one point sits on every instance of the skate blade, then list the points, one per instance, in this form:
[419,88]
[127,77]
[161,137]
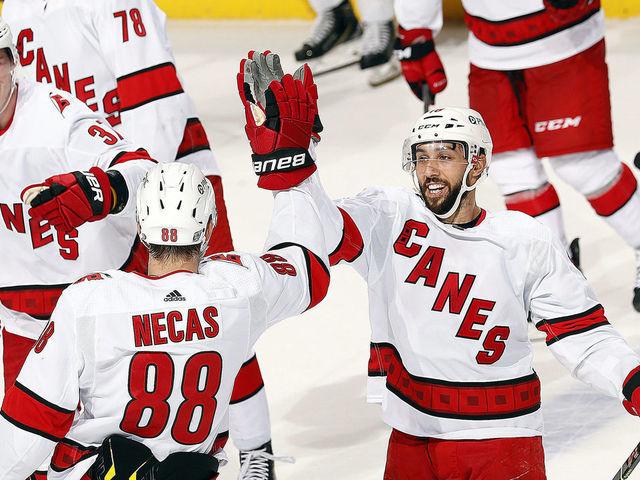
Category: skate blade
[384,73]
[342,56]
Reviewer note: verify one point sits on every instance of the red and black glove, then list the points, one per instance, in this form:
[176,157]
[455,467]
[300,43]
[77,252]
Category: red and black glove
[71,199]
[281,132]
[419,61]
[631,392]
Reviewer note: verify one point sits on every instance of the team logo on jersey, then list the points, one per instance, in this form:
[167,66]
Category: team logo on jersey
[174,296]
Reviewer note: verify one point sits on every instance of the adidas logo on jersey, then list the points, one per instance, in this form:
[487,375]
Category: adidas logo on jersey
[174,296]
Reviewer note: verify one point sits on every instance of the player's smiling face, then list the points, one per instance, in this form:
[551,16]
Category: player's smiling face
[440,169]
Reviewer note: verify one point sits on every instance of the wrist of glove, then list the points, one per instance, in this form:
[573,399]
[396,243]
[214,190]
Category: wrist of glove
[561,4]
[631,392]
[69,200]
[280,129]
[419,61]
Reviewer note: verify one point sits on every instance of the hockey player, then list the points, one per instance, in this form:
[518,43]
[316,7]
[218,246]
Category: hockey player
[336,23]
[153,358]
[538,76]
[122,65]
[461,395]
[44,133]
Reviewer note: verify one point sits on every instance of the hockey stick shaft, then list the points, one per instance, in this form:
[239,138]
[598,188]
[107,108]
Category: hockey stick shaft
[427,99]
[628,466]
[336,68]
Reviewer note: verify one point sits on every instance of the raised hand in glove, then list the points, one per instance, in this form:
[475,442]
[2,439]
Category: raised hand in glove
[257,73]
[69,200]
[419,61]
[281,129]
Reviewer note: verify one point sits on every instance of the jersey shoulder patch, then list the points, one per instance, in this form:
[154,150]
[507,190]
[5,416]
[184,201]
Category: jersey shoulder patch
[60,102]
[232,258]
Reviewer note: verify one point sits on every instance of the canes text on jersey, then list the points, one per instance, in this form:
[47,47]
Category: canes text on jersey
[451,292]
[160,328]
[83,88]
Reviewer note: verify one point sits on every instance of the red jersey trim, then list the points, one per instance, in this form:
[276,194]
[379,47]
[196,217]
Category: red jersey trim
[562,327]
[219,442]
[351,244]
[377,366]
[28,411]
[194,139]
[461,400]
[248,381]
[527,28]
[535,203]
[148,85]
[123,157]
[609,202]
[37,301]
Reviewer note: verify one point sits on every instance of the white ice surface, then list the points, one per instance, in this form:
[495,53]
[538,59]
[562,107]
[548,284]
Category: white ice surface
[315,365]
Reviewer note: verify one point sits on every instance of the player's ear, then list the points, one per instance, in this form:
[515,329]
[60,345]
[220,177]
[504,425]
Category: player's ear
[479,166]
[209,230]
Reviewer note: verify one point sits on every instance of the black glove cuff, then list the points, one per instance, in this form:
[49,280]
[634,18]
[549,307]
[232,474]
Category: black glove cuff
[283,160]
[631,385]
[563,4]
[92,190]
[121,192]
[413,52]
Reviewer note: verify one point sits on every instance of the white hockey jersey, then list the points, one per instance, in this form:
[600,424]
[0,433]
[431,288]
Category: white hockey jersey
[115,56]
[448,310]
[155,358]
[52,133]
[513,35]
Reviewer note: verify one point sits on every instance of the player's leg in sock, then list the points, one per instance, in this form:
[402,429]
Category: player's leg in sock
[525,186]
[612,190]
[336,23]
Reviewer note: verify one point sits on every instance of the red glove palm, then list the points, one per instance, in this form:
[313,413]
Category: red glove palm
[72,199]
[280,134]
[419,61]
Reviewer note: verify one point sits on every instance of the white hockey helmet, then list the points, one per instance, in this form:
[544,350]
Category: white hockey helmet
[6,40]
[451,124]
[175,202]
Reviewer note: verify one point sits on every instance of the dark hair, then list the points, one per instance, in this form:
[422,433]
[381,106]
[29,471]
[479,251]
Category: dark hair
[9,53]
[167,253]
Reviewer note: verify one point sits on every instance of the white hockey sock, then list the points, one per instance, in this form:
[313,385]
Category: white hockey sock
[320,6]
[249,422]
[376,10]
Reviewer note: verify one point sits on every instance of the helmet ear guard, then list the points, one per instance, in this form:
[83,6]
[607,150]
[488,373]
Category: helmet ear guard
[455,124]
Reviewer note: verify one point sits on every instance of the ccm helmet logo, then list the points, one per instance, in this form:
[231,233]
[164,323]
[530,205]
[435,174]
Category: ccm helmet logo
[557,124]
[475,120]
[276,164]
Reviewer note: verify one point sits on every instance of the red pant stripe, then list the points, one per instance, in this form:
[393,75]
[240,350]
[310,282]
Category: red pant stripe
[194,139]
[534,203]
[351,244]
[462,400]
[616,197]
[528,28]
[32,413]
[147,85]
[248,381]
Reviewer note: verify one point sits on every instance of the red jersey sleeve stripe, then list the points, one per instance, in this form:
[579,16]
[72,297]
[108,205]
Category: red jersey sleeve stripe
[558,328]
[147,85]
[609,202]
[351,244]
[527,28]
[379,358]
[68,453]
[248,381]
[30,412]
[123,157]
[194,139]
[317,273]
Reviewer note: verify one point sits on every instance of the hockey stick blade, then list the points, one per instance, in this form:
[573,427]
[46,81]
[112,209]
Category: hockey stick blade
[636,161]
[335,68]
[427,99]
[628,466]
